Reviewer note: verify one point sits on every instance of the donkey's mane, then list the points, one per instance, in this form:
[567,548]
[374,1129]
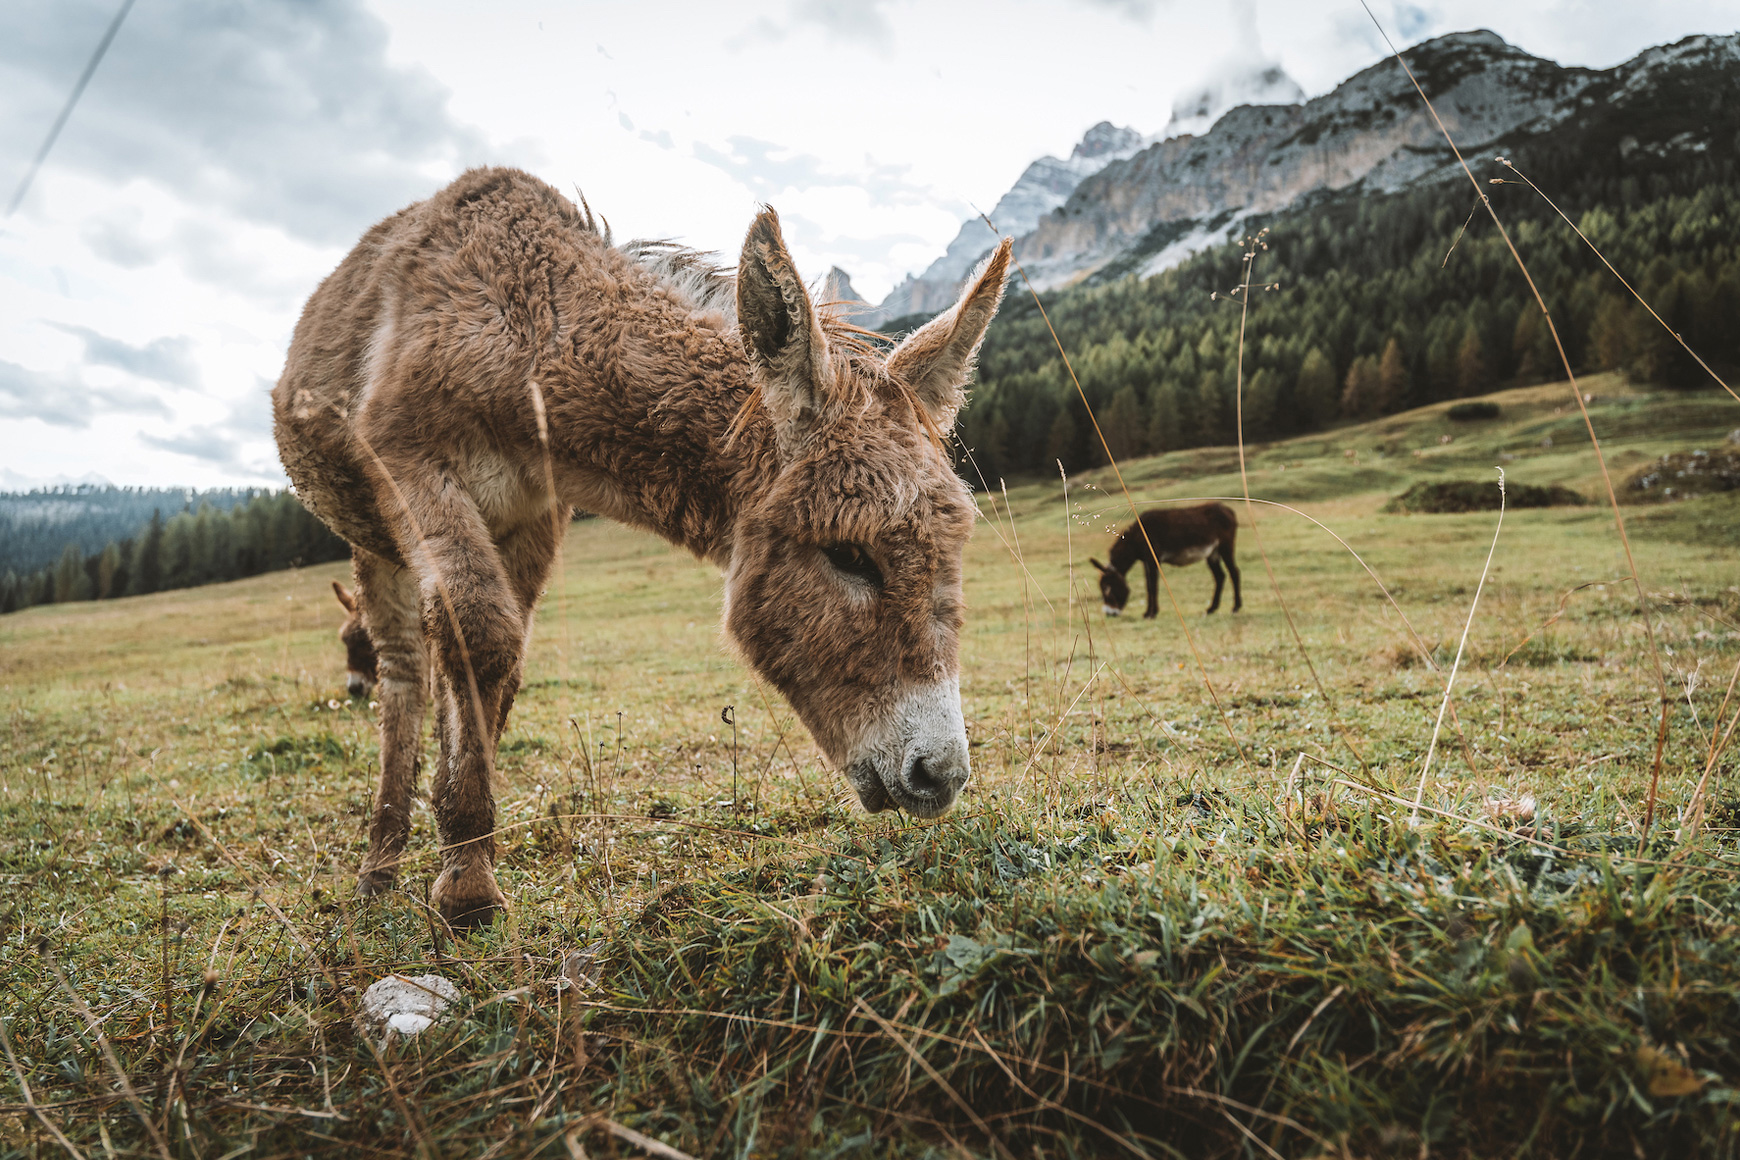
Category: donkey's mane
[696,275]
[710,287]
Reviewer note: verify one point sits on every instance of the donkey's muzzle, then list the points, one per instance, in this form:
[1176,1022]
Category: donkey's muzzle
[357,686]
[930,777]
[1110,611]
[916,758]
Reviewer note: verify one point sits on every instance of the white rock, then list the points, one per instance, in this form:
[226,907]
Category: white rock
[406,1006]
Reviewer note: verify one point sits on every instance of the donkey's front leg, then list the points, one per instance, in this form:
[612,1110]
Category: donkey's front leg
[462,798]
[388,597]
[476,634]
[1151,573]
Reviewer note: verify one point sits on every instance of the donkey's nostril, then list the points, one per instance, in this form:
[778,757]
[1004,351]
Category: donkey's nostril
[922,781]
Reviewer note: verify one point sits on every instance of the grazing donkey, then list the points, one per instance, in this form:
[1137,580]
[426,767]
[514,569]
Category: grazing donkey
[485,360]
[1179,536]
[361,667]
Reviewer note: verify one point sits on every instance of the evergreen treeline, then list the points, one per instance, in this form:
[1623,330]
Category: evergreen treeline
[37,525]
[1368,319]
[269,532]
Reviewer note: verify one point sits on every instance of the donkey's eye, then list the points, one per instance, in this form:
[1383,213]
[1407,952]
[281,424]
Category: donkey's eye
[853,561]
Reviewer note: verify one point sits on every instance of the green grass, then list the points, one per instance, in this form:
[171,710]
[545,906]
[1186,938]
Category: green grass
[1135,935]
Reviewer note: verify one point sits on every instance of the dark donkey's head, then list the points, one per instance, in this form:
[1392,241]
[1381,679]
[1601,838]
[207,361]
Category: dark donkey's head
[1114,589]
[359,650]
[844,584]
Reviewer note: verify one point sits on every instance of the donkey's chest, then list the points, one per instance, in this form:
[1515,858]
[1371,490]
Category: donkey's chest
[505,495]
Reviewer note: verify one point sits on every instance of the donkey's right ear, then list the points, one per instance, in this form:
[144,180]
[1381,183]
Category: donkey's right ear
[344,596]
[786,347]
[1098,565]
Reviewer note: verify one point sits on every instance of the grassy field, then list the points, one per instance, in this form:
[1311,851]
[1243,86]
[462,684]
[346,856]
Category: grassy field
[1184,909]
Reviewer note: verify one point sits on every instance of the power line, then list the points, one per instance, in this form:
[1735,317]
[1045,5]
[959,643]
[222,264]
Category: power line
[60,121]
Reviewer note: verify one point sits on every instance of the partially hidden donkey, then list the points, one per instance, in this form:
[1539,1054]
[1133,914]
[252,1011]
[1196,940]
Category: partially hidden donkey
[1177,536]
[361,668]
[485,361]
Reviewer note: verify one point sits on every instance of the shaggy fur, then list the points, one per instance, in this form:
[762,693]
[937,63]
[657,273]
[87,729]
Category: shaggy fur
[1178,536]
[478,347]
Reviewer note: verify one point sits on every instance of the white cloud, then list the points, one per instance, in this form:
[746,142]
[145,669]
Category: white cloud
[65,399]
[279,111]
[163,360]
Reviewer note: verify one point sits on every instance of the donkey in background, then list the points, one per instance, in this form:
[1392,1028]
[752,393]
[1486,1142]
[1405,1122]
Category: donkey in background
[1178,536]
[361,668]
[485,361]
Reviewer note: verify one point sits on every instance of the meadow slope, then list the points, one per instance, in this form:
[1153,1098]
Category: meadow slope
[1184,907]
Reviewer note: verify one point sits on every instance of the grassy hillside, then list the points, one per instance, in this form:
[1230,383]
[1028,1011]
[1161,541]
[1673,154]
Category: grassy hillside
[1178,912]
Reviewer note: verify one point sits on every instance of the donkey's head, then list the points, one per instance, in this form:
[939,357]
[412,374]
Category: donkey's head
[844,587]
[1114,589]
[359,651]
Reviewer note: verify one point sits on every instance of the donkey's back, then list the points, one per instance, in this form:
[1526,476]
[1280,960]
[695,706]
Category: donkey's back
[416,352]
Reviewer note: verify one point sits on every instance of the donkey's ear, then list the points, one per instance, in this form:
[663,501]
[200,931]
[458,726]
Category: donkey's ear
[1098,565]
[344,596]
[937,359]
[780,334]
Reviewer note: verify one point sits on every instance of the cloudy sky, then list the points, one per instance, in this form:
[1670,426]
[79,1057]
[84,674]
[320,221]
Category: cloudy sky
[227,152]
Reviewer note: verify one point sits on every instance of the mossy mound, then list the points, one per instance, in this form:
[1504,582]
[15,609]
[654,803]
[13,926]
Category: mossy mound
[1684,474]
[1467,495]
[1469,412]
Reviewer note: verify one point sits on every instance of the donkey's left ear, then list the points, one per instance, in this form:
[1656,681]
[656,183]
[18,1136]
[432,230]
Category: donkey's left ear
[936,360]
[781,336]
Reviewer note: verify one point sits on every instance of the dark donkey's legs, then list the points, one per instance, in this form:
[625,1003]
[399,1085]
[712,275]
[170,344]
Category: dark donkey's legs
[387,595]
[1219,581]
[1151,573]
[1226,555]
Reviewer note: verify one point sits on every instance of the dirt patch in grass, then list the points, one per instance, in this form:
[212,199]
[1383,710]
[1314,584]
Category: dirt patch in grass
[1474,496]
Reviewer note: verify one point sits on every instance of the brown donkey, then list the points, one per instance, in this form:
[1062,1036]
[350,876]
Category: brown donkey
[362,670]
[1178,536]
[485,360]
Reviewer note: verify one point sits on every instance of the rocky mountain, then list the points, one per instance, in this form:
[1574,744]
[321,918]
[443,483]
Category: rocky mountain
[1044,186]
[1149,209]
[837,289]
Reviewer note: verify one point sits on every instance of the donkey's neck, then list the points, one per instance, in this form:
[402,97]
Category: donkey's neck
[641,423]
[1127,547]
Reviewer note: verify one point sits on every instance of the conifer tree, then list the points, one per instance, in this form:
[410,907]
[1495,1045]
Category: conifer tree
[1126,433]
[70,581]
[1315,392]
[1392,379]
[145,574]
[108,564]
[1471,363]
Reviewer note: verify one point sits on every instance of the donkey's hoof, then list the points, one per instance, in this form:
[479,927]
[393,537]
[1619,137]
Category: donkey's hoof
[467,897]
[374,883]
[469,916]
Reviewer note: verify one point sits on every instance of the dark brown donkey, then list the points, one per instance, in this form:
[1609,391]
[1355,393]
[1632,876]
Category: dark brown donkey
[1179,536]
[361,667]
[486,360]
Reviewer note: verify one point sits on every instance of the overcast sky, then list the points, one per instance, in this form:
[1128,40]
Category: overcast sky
[227,153]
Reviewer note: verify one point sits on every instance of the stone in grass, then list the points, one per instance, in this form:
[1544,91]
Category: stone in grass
[404,1006]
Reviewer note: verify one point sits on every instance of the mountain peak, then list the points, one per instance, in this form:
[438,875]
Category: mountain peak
[837,287]
[1472,38]
[1106,140]
[1233,83]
